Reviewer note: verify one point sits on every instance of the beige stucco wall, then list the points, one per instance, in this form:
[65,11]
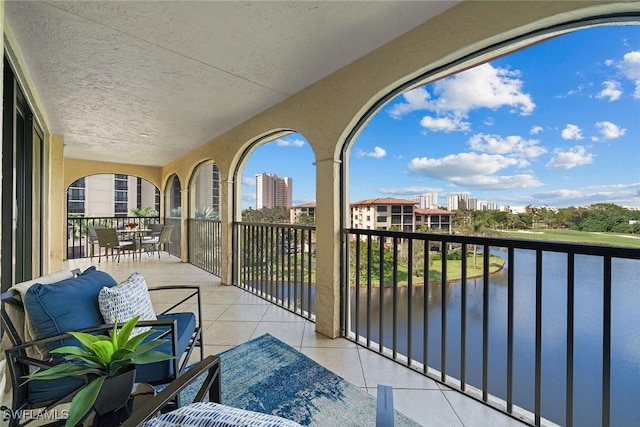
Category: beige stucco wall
[75,169]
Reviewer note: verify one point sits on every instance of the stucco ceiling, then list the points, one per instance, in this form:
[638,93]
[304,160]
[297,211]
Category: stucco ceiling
[144,82]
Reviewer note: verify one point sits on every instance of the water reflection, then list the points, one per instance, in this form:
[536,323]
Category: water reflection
[376,318]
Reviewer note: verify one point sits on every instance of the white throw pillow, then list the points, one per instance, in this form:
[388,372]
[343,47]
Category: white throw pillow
[126,301]
[209,414]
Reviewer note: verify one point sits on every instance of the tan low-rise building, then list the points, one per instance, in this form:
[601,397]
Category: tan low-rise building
[383,213]
[308,209]
[434,219]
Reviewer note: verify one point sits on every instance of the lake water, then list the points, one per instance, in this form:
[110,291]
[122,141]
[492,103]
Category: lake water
[625,334]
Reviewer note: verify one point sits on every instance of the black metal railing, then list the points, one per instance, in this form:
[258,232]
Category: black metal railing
[78,242]
[205,245]
[543,331]
[176,236]
[277,263]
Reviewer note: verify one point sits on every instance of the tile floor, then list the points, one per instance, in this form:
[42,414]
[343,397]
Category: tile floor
[232,316]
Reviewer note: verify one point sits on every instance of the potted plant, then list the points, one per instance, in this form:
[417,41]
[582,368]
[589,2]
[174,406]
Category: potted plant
[104,360]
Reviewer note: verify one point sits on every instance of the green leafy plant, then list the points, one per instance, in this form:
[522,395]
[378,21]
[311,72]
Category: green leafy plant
[99,358]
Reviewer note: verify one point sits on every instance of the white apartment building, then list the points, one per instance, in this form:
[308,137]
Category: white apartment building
[457,201]
[426,200]
[272,191]
[109,195]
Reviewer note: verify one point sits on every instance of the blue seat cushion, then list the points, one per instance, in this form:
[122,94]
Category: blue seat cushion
[60,307]
[50,390]
[68,305]
[159,372]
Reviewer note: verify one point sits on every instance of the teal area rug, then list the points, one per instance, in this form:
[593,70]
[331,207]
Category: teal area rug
[268,376]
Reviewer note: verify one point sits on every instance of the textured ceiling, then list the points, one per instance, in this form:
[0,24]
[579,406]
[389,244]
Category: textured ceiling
[144,82]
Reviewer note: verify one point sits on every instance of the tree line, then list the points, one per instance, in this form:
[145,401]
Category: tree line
[600,217]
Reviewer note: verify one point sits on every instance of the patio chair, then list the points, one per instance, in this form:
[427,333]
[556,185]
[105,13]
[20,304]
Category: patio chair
[92,239]
[108,239]
[163,239]
[156,229]
[32,309]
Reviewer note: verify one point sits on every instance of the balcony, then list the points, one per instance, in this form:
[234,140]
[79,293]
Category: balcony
[233,316]
[535,329]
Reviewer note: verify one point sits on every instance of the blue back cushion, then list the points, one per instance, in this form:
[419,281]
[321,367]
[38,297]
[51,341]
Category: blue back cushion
[68,305]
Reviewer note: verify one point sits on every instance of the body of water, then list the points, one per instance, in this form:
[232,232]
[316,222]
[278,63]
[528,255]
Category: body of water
[588,333]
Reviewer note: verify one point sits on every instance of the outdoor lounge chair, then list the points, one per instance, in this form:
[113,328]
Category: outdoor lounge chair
[71,298]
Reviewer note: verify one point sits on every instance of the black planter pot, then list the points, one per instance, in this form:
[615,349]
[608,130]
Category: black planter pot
[115,392]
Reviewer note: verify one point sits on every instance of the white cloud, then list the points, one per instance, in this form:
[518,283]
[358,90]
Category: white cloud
[444,124]
[610,130]
[630,68]
[572,132]
[504,182]
[459,165]
[611,91]
[415,100]
[509,145]
[536,130]
[281,142]
[406,191]
[622,194]
[248,181]
[248,196]
[576,156]
[378,153]
[480,87]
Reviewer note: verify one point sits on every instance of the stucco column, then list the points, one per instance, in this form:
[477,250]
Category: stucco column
[184,225]
[226,232]
[56,200]
[328,247]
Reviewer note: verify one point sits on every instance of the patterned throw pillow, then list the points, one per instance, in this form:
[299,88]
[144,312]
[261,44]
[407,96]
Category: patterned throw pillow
[209,414]
[127,300]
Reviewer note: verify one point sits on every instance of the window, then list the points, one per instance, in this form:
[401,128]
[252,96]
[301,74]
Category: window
[381,219]
[408,209]
[418,217]
[396,219]
[382,208]
[396,209]
[407,218]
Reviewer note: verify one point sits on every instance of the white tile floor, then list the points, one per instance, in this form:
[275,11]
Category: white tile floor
[232,316]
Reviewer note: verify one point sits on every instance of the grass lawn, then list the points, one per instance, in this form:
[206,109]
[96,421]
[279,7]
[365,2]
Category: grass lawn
[587,237]
[454,272]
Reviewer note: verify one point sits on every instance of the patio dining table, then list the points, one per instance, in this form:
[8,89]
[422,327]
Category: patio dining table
[134,234]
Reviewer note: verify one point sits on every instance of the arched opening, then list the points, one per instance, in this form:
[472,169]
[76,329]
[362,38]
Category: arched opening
[173,212]
[107,200]
[276,234]
[538,144]
[205,238]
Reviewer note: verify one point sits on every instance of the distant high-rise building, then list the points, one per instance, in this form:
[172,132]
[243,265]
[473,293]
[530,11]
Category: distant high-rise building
[272,191]
[426,200]
[457,201]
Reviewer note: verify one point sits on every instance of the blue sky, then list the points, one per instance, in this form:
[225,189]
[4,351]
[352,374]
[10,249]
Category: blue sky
[556,124]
